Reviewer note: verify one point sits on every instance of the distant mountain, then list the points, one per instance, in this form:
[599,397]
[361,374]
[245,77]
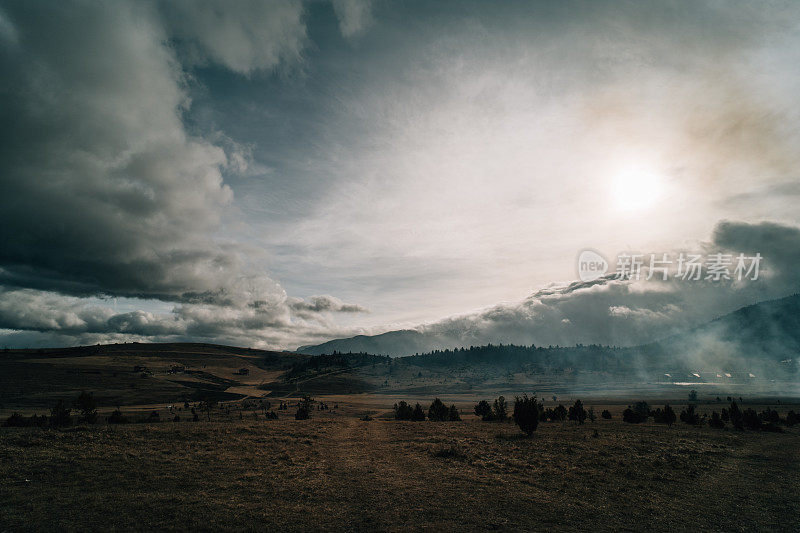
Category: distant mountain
[405,341]
[768,329]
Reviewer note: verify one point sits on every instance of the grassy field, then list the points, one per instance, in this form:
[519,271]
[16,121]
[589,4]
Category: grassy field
[337,472]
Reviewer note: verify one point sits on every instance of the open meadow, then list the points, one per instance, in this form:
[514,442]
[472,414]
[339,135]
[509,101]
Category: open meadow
[335,471]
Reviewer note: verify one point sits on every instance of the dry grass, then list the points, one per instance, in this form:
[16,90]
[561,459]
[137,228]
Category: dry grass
[337,472]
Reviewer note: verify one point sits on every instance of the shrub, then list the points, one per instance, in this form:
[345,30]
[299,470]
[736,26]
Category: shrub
[304,408]
[154,417]
[87,406]
[483,410]
[592,417]
[736,416]
[577,412]
[716,421]
[271,415]
[16,420]
[403,411]
[667,416]
[633,417]
[559,414]
[606,414]
[500,409]
[689,416]
[60,415]
[642,408]
[526,413]
[19,421]
[451,452]
[751,420]
[770,416]
[438,411]
[454,415]
[792,418]
[117,418]
[692,395]
[418,415]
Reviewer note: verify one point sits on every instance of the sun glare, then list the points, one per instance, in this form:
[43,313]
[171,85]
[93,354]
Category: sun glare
[634,190]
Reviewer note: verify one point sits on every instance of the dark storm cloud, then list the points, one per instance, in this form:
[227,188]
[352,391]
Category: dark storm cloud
[106,192]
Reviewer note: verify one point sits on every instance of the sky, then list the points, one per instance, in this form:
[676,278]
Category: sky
[274,174]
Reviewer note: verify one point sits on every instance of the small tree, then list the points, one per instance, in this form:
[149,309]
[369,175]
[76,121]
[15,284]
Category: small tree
[500,409]
[403,411]
[692,395]
[689,416]
[526,413]
[454,415]
[667,416]
[577,412]
[606,414]
[591,415]
[483,409]
[559,413]
[418,415]
[438,411]
[735,414]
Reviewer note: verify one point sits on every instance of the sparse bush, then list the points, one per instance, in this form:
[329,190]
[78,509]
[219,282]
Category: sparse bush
[500,411]
[87,406]
[117,418]
[606,414]
[450,452]
[689,416]
[716,421]
[438,411]
[16,420]
[154,417]
[577,412]
[60,415]
[176,418]
[527,412]
[271,415]
[483,409]
[590,413]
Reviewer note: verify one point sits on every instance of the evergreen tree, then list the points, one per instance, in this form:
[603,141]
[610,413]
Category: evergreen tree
[527,412]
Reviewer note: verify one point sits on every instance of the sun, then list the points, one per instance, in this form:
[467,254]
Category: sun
[636,189]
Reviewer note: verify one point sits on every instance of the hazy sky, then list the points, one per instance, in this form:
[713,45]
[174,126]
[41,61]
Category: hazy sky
[281,173]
